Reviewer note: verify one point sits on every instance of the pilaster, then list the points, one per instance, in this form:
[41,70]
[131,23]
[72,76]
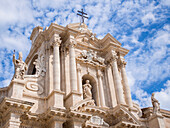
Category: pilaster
[79,79]
[101,91]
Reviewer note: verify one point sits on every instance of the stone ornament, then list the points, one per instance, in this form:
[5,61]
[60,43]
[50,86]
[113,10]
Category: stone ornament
[96,120]
[156,104]
[87,90]
[40,66]
[35,87]
[20,67]
[91,57]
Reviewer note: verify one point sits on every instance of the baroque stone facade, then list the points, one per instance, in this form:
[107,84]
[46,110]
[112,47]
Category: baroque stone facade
[71,79]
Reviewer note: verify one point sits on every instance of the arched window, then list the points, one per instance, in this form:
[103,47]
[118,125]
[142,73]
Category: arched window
[31,68]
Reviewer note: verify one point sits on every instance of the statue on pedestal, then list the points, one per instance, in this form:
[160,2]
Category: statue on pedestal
[156,104]
[87,90]
[20,67]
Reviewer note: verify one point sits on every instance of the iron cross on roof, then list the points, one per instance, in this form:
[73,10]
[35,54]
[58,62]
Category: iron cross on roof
[81,13]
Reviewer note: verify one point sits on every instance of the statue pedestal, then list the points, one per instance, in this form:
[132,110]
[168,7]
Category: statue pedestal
[156,121]
[16,88]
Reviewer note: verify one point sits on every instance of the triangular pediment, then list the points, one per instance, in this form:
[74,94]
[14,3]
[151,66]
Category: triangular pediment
[88,40]
[110,39]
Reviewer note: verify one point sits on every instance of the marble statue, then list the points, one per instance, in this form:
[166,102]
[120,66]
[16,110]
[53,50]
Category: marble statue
[156,104]
[20,67]
[87,90]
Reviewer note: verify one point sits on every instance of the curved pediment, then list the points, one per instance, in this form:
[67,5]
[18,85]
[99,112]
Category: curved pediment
[80,105]
[88,106]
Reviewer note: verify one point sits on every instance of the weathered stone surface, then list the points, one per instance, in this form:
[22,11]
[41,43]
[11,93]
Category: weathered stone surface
[74,80]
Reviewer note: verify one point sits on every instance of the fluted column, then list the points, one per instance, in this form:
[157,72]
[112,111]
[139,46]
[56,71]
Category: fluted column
[117,80]
[56,63]
[128,97]
[101,91]
[73,73]
[79,78]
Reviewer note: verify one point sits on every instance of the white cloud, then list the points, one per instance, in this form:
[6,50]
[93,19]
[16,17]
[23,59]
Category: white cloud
[164,96]
[147,60]
[165,2]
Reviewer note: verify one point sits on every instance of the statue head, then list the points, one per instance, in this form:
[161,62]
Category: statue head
[153,94]
[87,81]
[20,55]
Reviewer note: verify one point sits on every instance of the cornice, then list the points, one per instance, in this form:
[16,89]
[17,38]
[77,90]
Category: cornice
[111,38]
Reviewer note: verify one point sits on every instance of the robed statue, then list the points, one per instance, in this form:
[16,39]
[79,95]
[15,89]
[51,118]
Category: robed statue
[156,104]
[20,66]
[87,90]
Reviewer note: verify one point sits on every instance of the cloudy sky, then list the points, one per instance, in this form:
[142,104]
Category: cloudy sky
[143,27]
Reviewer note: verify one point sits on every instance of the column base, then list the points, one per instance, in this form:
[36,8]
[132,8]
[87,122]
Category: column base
[156,121]
[72,98]
[56,99]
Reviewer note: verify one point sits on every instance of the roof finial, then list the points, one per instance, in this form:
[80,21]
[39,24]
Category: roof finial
[81,13]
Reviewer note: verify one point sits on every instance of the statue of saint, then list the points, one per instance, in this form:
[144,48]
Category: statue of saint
[87,90]
[20,66]
[156,104]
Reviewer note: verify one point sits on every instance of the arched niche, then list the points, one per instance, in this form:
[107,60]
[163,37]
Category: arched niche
[31,68]
[93,83]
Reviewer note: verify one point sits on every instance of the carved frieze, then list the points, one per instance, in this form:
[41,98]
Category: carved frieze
[91,58]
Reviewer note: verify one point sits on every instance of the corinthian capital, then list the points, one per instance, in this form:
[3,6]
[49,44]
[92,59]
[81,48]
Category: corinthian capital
[114,56]
[56,40]
[72,43]
[122,63]
[79,67]
[99,73]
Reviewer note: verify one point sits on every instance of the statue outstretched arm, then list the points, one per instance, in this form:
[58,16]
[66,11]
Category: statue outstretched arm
[14,60]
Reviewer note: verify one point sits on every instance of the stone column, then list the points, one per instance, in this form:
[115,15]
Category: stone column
[73,73]
[56,63]
[117,80]
[111,86]
[128,97]
[101,91]
[79,78]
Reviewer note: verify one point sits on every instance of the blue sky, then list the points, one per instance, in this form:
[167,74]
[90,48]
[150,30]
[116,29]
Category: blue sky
[143,27]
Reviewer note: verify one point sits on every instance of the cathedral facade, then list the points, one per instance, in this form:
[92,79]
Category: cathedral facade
[71,79]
